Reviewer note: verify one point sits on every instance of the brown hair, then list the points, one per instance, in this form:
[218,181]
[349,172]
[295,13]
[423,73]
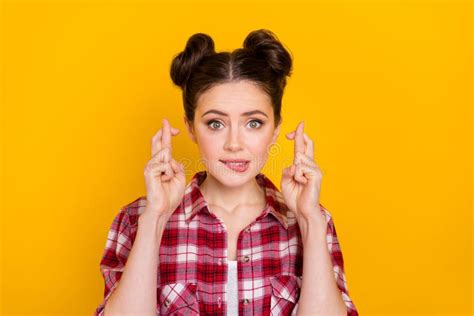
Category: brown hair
[262,60]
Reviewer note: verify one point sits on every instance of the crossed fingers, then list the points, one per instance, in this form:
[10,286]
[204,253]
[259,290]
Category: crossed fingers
[161,148]
[162,139]
[304,146]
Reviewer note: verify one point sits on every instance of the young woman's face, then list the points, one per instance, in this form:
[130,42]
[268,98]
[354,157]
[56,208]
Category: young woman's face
[234,121]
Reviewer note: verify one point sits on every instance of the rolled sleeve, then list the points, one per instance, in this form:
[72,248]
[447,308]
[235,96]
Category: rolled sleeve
[117,249]
[338,265]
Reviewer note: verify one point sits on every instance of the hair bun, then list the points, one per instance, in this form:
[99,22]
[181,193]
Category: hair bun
[265,45]
[198,46]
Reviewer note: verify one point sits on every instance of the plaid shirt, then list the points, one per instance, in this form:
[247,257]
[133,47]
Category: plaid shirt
[192,272]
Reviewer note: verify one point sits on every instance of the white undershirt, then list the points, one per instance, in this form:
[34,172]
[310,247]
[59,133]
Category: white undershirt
[232,289]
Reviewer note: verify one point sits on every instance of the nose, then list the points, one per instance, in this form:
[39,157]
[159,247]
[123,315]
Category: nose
[233,142]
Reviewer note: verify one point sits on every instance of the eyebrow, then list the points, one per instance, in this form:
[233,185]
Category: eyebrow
[245,113]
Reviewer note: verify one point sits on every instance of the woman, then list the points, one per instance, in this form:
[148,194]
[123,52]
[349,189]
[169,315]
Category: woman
[229,242]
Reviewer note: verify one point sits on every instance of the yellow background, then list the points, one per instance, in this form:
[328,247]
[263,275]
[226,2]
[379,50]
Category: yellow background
[384,87]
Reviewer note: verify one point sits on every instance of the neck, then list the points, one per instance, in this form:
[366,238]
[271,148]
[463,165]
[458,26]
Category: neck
[231,198]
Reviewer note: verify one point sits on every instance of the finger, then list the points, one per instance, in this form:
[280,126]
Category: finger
[164,155]
[305,159]
[160,168]
[309,146]
[168,173]
[157,167]
[287,172]
[299,174]
[174,131]
[156,140]
[166,137]
[178,168]
[174,166]
[156,143]
[299,139]
[304,173]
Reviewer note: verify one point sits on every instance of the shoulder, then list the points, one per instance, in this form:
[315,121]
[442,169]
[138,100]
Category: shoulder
[134,209]
[127,217]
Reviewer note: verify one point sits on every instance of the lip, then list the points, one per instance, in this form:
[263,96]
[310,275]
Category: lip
[235,160]
[236,168]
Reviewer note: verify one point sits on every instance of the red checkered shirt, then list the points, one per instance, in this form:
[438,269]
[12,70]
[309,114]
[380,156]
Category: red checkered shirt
[192,271]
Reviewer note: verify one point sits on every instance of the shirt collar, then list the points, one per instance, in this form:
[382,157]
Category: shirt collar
[194,201]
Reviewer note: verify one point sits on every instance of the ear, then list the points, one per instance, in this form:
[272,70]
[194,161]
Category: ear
[190,130]
[277,131]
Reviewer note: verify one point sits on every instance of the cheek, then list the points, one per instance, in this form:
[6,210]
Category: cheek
[209,145]
[259,145]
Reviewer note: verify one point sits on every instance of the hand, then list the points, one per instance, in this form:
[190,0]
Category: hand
[301,182]
[164,177]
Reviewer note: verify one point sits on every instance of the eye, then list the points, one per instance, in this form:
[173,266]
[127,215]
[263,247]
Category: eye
[213,124]
[255,124]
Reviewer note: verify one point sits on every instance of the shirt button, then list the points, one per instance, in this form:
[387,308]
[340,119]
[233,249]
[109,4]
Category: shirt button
[246,259]
[219,261]
[245,301]
[247,230]
[167,302]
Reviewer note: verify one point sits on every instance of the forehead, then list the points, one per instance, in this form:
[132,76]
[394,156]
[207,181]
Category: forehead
[234,98]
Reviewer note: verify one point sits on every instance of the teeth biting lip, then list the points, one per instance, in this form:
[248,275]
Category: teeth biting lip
[236,165]
[235,161]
